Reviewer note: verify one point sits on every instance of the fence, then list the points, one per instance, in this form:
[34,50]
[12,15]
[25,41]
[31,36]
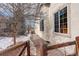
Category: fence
[17,50]
[76,43]
[41,48]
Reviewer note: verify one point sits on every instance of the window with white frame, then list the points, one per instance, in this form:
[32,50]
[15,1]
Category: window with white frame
[60,21]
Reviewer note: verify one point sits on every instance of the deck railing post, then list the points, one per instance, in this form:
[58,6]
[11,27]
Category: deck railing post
[41,49]
[24,49]
[77,45]
[44,50]
[28,48]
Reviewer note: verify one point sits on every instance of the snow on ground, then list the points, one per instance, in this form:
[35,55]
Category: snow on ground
[7,41]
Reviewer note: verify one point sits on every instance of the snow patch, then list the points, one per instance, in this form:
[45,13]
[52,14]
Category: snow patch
[7,41]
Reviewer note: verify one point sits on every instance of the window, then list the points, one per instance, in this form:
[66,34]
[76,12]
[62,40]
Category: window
[60,21]
[42,25]
[56,22]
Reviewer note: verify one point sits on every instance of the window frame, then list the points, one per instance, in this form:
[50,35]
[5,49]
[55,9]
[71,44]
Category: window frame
[68,34]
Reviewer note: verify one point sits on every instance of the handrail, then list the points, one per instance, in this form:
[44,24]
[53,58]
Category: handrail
[57,46]
[14,47]
[43,48]
[61,45]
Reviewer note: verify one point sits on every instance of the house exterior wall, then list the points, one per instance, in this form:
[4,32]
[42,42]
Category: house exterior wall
[72,12]
[43,34]
[74,20]
[73,28]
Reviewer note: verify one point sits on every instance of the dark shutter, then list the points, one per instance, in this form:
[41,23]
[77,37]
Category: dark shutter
[42,25]
[56,22]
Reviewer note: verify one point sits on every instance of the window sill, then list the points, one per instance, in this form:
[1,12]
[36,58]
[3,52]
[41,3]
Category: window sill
[63,34]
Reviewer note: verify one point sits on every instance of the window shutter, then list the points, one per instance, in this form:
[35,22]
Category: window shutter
[42,25]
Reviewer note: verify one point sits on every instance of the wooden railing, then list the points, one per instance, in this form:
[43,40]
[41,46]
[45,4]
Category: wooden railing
[17,50]
[28,49]
[60,45]
[42,49]
[39,44]
[77,46]
[47,48]
[76,43]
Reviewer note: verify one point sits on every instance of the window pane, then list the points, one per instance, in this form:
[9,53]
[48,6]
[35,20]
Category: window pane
[61,25]
[65,25]
[63,20]
[65,30]
[61,30]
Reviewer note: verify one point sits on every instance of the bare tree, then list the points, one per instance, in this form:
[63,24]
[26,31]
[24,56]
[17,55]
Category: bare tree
[18,12]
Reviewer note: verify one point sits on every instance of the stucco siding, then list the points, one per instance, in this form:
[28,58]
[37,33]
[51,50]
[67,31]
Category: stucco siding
[73,28]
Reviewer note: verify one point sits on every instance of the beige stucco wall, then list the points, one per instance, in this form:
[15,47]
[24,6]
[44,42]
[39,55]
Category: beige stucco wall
[73,28]
[43,34]
[73,22]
